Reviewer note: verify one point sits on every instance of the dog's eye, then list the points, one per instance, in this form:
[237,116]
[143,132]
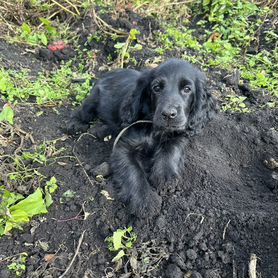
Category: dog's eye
[186,90]
[156,88]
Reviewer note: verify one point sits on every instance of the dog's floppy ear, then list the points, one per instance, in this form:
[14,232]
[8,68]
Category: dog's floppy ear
[203,107]
[137,104]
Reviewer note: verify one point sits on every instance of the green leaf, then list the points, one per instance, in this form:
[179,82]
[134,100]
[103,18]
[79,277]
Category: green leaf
[119,45]
[137,47]
[8,198]
[7,114]
[32,205]
[128,245]
[133,33]
[69,194]
[118,256]
[17,218]
[45,21]
[51,187]
[43,38]
[117,239]
[26,28]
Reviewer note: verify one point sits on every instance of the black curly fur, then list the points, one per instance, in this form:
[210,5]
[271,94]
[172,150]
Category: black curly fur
[148,156]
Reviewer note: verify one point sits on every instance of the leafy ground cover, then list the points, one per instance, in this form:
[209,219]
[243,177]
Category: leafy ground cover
[58,215]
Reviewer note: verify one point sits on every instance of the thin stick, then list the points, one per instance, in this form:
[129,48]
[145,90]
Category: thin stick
[252,266]
[234,269]
[197,214]
[126,128]
[100,21]
[10,257]
[64,8]
[75,255]
[71,4]
[225,228]
[78,160]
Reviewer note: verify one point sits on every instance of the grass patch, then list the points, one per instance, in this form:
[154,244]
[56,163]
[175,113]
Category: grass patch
[45,88]
[222,38]
[235,104]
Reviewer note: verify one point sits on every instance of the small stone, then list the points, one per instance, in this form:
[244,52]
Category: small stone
[161,222]
[232,79]
[229,247]
[46,54]
[191,254]
[87,167]
[211,273]
[5,273]
[178,261]
[103,169]
[27,238]
[173,271]
[189,265]
[206,257]
[196,274]
[203,246]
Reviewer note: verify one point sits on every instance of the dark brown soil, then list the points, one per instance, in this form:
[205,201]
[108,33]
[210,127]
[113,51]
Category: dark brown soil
[223,211]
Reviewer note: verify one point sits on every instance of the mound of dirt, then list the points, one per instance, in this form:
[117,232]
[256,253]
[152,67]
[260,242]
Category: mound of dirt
[222,212]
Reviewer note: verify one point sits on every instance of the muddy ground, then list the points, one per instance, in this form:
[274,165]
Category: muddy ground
[222,212]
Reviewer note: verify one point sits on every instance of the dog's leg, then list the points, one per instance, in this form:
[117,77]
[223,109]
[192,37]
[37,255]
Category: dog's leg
[131,182]
[83,115]
[168,162]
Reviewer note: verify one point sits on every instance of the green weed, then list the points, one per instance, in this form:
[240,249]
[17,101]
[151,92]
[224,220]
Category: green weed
[46,88]
[15,210]
[19,266]
[177,38]
[40,35]
[231,27]
[125,49]
[67,195]
[236,21]
[262,70]
[235,104]
[121,241]
[7,114]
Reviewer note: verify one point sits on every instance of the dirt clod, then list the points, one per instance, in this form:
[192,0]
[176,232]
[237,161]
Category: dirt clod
[173,271]
[191,254]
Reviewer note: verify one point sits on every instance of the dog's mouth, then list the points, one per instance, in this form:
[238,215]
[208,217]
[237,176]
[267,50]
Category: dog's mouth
[171,127]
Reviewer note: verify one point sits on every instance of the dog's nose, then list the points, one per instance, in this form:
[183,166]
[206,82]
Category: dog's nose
[170,113]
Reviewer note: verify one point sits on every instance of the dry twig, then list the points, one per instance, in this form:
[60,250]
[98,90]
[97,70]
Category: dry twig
[252,266]
[78,160]
[75,255]
[225,229]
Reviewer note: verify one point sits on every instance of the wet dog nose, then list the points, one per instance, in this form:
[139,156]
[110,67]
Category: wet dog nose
[170,113]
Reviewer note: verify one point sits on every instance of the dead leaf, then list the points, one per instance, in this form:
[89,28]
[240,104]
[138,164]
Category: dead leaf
[49,258]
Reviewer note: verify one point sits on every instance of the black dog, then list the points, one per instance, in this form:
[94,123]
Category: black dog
[174,97]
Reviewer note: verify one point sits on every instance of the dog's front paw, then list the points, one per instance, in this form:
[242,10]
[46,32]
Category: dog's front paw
[148,206]
[162,175]
[75,126]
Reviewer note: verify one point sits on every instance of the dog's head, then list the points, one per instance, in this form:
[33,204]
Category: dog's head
[174,97]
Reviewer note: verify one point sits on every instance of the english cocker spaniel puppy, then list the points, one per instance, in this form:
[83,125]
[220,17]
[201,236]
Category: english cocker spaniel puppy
[147,156]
